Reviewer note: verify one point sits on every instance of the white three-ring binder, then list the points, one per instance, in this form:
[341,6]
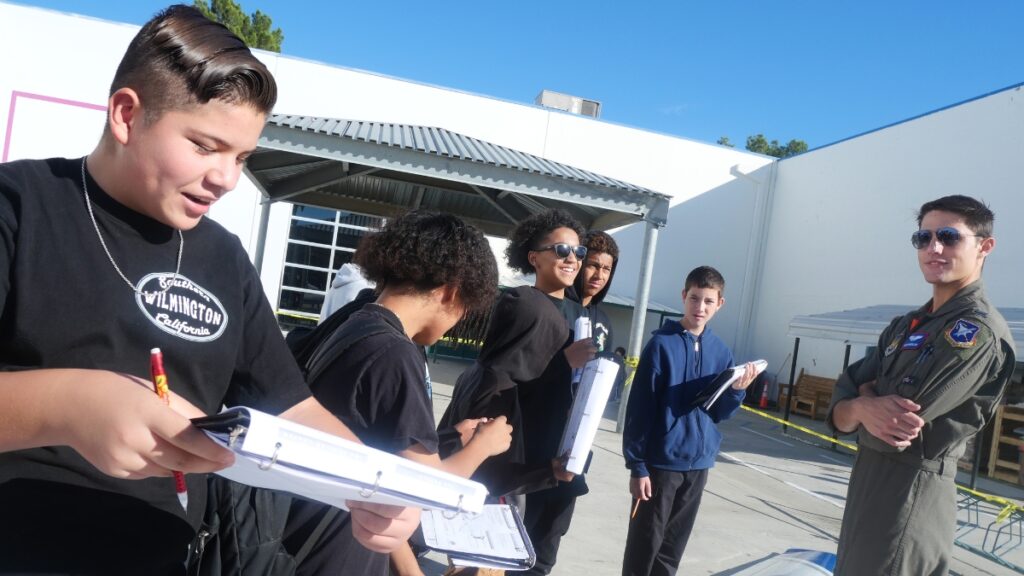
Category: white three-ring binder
[282,455]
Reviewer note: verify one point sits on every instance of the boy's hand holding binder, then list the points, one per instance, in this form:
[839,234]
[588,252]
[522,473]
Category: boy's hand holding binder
[380,527]
[736,377]
[134,436]
[749,373]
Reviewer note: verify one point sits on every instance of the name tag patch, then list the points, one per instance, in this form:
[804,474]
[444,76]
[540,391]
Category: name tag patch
[915,341]
[963,334]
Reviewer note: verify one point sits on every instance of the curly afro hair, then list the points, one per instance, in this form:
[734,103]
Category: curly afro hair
[425,250]
[531,232]
[597,241]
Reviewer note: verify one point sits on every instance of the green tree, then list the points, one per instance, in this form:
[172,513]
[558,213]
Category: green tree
[724,141]
[761,145]
[256,29]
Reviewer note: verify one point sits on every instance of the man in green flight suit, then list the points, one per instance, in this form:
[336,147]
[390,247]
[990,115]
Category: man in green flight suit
[933,382]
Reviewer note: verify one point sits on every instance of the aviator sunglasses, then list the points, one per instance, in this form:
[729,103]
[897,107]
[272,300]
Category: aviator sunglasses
[946,235]
[562,250]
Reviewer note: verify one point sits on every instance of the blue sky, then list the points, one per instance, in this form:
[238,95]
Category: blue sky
[818,70]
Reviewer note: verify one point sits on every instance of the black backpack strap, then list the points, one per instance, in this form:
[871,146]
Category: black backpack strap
[315,535]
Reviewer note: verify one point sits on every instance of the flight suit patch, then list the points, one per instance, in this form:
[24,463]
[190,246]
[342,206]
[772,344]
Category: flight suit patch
[915,341]
[893,345]
[963,334]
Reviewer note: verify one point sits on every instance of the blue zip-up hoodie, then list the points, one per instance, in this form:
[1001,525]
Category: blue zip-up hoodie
[661,429]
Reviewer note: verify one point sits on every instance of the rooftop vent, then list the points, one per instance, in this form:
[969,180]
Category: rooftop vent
[567,103]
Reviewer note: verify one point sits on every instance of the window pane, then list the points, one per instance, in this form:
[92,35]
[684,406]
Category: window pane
[312,232]
[342,257]
[302,278]
[312,212]
[301,301]
[308,255]
[349,237]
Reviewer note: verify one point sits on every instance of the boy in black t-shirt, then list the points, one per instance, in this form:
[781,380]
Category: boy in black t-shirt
[86,447]
[430,270]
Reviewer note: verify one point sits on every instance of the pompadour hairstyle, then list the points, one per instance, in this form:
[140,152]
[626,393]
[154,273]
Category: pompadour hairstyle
[977,216]
[180,59]
[425,250]
[530,233]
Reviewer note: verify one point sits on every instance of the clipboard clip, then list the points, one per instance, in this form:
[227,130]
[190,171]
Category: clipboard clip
[458,510]
[273,459]
[376,485]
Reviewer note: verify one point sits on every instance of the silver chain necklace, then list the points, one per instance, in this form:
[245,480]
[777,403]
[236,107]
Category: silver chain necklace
[136,289]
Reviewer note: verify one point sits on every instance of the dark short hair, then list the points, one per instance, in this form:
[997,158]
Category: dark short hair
[180,58]
[424,250]
[977,216]
[597,241]
[529,233]
[705,277]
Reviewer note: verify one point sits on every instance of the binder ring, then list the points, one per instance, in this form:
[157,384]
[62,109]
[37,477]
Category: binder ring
[369,493]
[273,459]
[458,510]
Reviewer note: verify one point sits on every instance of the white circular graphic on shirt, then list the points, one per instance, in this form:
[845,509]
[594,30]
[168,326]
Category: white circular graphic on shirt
[185,309]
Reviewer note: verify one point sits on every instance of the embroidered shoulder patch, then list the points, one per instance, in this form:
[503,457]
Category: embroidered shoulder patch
[963,334]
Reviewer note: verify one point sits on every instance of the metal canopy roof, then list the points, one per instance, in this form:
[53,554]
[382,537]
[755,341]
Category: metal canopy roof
[387,169]
[865,325]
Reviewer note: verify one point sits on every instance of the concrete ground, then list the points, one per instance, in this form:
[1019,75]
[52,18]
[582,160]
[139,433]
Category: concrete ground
[767,493]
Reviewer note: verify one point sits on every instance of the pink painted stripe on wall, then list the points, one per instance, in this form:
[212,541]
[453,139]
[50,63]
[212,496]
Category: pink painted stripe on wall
[53,99]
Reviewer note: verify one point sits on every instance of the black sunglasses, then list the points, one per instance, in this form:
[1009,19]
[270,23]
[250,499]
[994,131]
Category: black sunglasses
[562,250]
[947,235]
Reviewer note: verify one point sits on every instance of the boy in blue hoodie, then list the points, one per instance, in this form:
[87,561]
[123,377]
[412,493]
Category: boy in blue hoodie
[668,445]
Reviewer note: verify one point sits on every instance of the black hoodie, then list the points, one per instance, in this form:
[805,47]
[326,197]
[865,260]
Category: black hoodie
[601,325]
[522,375]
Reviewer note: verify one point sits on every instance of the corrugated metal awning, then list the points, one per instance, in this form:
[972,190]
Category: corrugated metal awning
[385,169]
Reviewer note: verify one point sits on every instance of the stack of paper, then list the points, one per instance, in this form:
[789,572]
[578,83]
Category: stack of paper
[495,538]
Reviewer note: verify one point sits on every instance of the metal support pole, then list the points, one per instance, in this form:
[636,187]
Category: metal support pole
[792,381]
[261,239]
[846,364]
[636,329]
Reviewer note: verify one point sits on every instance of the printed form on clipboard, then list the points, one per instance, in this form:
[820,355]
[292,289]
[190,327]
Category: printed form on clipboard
[495,538]
[278,454]
[706,397]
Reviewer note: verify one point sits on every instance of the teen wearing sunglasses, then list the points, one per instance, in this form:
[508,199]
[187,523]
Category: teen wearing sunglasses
[932,383]
[524,369]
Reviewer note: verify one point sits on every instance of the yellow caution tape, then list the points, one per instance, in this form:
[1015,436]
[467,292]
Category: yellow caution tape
[800,428]
[1008,508]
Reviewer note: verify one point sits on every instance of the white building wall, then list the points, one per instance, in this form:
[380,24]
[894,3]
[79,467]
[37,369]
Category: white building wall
[839,234]
[823,231]
[69,57]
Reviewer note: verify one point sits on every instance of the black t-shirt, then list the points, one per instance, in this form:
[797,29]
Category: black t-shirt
[601,328]
[377,386]
[64,306]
